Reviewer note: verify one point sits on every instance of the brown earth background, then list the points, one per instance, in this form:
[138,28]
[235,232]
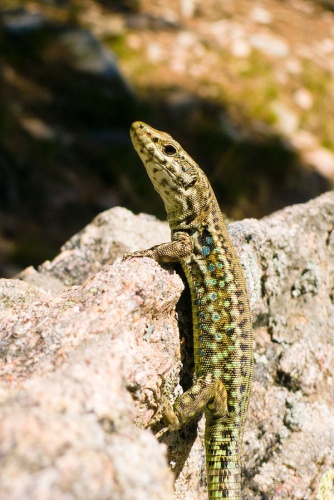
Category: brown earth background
[246,87]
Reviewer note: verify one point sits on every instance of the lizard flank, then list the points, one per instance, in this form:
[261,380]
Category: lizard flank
[222,329]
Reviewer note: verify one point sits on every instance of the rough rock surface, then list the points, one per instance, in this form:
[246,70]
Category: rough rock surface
[89,346]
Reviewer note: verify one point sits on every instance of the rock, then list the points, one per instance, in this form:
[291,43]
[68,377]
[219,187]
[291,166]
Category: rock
[322,159]
[325,47]
[293,66]
[286,119]
[79,47]
[38,129]
[303,98]
[304,141]
[81,366]
[240,47]
[260,15]
[20,21]
[87,54]
[154,52]
[270,45]
[67,416]
[188,8]
[226,31]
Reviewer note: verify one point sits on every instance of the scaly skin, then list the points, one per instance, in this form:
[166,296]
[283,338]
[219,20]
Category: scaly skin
[223,336]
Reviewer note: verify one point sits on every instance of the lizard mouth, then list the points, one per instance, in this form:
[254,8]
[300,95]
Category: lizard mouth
[153,158]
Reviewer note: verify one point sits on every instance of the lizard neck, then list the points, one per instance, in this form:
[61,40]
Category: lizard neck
[197,214]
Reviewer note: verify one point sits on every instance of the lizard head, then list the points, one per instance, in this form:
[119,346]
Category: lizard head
[180,182]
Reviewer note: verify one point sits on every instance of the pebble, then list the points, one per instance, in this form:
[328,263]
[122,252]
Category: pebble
[22,22]
[232,36]
[225,31]
[260,15]
[293,66]
[88,54]
[240,48]
[270,45]
[303,98]
[188,8]
[305,140]
[325,47]
[154,52]
[322,160]
[186,40]
[287,120]
[37,128]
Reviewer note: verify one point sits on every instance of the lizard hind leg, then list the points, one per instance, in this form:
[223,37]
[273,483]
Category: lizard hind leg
[206,393]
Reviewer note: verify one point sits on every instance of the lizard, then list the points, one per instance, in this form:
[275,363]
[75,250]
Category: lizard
[222,328]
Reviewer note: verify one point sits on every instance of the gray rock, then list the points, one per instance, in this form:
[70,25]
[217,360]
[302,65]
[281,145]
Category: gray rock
[21,22]
[287,120]
[81,366]
[88,54]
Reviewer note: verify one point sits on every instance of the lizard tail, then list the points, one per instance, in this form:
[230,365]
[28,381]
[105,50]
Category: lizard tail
[223,463]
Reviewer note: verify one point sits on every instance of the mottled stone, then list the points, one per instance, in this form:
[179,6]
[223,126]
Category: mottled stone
[80,366]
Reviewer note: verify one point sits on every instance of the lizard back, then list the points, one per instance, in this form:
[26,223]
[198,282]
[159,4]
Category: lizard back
[223,344]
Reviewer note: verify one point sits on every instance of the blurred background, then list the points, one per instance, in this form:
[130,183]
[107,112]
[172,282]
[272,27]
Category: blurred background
[247,87]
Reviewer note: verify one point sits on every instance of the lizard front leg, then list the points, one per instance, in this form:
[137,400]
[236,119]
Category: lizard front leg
[172,251]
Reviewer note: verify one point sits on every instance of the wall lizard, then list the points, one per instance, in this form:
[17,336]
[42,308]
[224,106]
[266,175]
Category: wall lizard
[222,329]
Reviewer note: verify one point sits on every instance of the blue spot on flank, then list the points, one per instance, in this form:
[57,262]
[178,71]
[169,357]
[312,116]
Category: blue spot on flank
[200,352]
[219,264]
[205,250]
[218,336]
[198,302]
[196,283]
[209,240]
[200,314]
[211,267]
[200,338]
[200,326]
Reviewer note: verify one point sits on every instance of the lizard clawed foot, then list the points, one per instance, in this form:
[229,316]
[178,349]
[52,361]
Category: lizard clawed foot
[165,412]
[162,432]
[127,256]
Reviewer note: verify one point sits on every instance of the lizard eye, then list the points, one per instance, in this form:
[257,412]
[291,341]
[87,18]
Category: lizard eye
[191,184]
[169,150]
